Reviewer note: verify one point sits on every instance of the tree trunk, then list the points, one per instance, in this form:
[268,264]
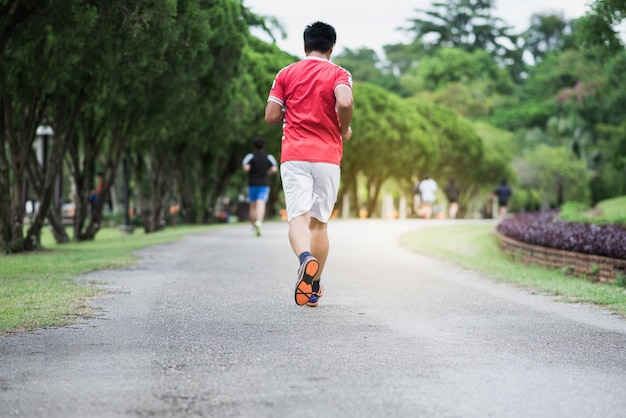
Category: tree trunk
[56,225]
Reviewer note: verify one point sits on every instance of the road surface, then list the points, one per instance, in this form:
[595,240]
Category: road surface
[207,327]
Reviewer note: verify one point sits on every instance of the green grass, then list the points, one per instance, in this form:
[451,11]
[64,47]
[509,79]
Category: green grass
[475,247]
[38,289]
[611,211]
[613,208]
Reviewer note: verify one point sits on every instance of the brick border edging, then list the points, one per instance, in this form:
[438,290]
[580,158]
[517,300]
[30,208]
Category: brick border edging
[593,267]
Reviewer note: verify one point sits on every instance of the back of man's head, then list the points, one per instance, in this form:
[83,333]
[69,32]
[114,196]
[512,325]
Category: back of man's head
[258,143]
[319,36]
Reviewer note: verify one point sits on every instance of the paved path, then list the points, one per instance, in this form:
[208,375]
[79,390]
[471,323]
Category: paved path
[208,328]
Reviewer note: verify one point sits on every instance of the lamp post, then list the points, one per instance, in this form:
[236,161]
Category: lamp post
[127,228]
[44,132]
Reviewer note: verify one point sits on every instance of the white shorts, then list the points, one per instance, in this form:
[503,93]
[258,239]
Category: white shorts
[310,187]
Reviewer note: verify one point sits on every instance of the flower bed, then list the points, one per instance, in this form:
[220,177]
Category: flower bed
[597,252]
[547,230]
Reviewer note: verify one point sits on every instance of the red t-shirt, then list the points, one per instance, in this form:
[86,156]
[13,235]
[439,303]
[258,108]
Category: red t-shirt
[306,91]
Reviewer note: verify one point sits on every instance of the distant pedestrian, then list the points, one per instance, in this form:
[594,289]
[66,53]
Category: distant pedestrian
[313,100]
[452,191]
[503,193]
[259,165]
[94,194]
[427,188]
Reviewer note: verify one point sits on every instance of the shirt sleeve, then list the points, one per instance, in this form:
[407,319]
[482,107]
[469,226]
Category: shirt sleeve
[276,91]
[246,159]
[344,78]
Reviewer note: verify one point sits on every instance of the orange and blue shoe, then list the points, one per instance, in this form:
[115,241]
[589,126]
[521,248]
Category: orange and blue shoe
[315,297]
[307,271]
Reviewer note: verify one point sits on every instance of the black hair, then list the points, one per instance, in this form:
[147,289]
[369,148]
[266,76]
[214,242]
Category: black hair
[258,143]
[320,37]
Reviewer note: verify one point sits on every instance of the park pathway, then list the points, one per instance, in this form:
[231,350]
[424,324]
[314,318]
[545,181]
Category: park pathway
[207,327]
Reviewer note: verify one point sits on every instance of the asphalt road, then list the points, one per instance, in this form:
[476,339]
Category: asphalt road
[208,328]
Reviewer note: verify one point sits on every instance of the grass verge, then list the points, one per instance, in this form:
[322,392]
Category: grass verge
[614,208]
[474,247]
[38,289]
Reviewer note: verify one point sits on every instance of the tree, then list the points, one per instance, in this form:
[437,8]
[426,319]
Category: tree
[465,24]
[391,141]
[596,30]
[365,66]
[469,83]
[610,164]
[203,62]
[557,175]
[459,148]
[37,66]
[547,34]
[555,84]
[495,165]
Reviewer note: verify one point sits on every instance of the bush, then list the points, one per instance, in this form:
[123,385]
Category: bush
[546,229]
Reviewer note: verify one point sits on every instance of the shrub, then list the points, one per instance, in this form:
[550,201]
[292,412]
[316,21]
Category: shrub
[546,229]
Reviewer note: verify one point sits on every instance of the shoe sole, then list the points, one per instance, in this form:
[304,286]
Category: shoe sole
[304,287]
[319,296]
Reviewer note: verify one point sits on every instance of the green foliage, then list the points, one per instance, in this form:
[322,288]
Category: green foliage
[494,166]
[515,114]
[391,140]
[548,33]
[558,72]
[460,149]
[497,155]
[610,158]
[468,82]
[455,65]
[556,174]
[597,29]
[467,24]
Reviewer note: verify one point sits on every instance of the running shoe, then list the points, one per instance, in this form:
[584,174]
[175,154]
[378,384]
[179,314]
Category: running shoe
[257,228]
[307,271]
[315,297]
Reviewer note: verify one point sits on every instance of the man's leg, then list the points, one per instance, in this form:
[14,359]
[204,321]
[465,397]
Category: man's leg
[260,210]
[454,208]
[300,234]
[300,239]
[253,212]
[428,210]
[319,243]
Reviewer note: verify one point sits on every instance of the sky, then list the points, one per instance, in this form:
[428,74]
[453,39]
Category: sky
[372,24]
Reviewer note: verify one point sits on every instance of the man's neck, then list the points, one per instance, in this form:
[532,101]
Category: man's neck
[318,54]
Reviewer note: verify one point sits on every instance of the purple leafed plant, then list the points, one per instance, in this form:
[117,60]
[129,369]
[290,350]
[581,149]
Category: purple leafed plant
[547,230]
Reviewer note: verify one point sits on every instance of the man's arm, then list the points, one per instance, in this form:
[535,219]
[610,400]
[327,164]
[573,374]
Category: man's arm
[274,168]
[245,164]
[345,109]
[273,113]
